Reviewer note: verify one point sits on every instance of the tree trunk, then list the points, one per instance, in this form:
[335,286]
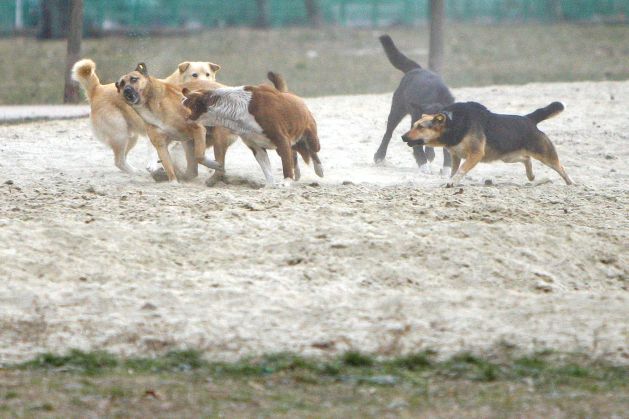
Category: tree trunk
[313,10]
[75,33]
[556,9]
[263,14]
[437,17]
[54,19]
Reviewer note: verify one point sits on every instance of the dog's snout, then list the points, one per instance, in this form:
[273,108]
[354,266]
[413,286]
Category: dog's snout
[128,90]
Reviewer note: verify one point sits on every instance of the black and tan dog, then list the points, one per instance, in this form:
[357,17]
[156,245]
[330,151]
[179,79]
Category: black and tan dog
[159,105]
[471,132]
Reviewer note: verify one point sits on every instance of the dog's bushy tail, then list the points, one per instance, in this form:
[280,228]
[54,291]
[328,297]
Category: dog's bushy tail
[549,111]
[399,60]
[84,72]
[278,81]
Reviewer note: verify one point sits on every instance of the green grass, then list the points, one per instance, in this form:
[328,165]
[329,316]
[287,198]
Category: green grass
[332,60]
[355,384]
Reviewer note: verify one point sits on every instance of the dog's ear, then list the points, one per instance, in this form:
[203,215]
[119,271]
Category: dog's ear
[439,119]
[141,68]
[185,91]
[214,67]
[183,66]
[119,85]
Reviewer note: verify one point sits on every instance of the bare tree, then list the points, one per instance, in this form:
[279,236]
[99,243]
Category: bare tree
[556,9]
[75,33]
[53,19]
[437,17]
[313,10]
[262,20]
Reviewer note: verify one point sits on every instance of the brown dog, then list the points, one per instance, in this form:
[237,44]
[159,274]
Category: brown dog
[159,104]
[265,117]
[471,132]
[115,123]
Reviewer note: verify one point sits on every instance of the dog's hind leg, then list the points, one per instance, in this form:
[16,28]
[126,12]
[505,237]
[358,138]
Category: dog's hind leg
[265,164]
[120,157]
[296,169]
[396,115]
[528,165]
[456,162]
[542,149]
[553,163]
[285,152]
[312,146]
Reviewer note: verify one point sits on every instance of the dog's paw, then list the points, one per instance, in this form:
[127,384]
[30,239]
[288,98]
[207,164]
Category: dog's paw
[450,185]
[212,164]
[445,171]
[214,179]
[378,159]
[286,183]
[159,175]
[318,168]
[425,169]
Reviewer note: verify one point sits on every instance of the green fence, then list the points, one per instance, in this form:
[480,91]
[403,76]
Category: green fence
[112,14]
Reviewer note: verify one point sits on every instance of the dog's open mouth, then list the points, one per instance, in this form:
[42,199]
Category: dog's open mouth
[412,143]
[131,96]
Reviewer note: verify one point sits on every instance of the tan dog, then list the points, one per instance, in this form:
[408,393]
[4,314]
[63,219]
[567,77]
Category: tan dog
[159,104]
[114,122]
[265,118]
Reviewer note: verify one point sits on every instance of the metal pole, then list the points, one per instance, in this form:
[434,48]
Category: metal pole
[19,15]
[75,33]
[437,17]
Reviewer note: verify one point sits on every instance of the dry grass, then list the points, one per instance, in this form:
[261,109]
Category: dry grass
[332,60]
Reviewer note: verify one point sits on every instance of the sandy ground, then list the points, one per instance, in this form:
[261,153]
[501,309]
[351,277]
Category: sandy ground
[378,259]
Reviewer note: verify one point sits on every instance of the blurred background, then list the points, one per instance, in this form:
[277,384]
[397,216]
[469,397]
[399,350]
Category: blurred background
[323,47]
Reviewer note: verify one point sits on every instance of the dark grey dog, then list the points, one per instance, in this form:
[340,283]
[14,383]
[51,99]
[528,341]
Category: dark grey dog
[420,92]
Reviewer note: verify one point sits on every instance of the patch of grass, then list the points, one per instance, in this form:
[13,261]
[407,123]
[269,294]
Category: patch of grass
[357,359]
[414,362]
[464,366]
[333,60]
[183,383]
[469,366]
[85,362]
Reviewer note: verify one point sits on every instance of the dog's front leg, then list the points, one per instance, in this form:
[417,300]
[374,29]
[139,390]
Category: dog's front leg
[160,142]
[456,162]
[198,134]
[472,160]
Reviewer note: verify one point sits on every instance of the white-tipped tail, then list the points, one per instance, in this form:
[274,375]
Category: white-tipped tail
[84,72]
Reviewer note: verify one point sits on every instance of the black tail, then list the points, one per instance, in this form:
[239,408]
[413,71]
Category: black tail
[542,114]
[399,60]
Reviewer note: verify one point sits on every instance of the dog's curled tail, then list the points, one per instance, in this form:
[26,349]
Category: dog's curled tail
[84,72]
[399,60]
[549,111]
[278,81]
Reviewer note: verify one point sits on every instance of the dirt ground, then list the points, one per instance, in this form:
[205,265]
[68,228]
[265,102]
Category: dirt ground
[380,259]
